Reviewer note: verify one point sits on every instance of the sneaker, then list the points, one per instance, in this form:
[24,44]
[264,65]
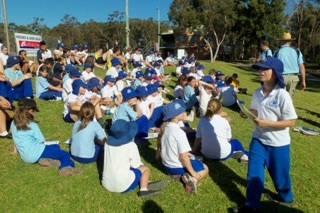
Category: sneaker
[275,199]
[48,162]
[237,154]
[244,209]
[243,159]
[58,99]
[190,184]
[157,184]
[7,136]
[149,193]
[70,171]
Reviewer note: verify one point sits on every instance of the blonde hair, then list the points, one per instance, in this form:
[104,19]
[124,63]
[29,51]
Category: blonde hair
[86,114]
[161,133]
[214,106]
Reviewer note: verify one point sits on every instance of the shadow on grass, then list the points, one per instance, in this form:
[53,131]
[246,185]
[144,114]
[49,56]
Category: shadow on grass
[149,154]
[310,112]
[309,121]
[151,206]
[269,206]
[226,179]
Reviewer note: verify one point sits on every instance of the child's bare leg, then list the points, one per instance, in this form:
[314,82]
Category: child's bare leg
[15,151]
[204,172]
[3,127]
[145,176]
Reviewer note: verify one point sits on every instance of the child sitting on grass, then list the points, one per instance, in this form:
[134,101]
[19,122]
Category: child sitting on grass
[44,90]
[214,135]
[123,170]
[174,148]
[228,94]
[87,136]
[29,139]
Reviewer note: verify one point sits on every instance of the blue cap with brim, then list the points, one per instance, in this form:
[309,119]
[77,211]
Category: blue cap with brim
[122,75]
[94,82]
[128,93]
[74,72]
[152,88]
[139,74]
[172,110]
[276,65]
[208,79]
[159,84]
[87,65]
[76,84]
[109,78]
[13,60]
[122,132]
[142,91]
[68,68]
[115,62]
[185,70]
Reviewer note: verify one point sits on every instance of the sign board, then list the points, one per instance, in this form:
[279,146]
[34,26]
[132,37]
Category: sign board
[181,52]
[29,43]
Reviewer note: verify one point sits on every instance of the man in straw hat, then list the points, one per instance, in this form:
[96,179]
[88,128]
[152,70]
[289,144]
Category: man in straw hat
[292,59]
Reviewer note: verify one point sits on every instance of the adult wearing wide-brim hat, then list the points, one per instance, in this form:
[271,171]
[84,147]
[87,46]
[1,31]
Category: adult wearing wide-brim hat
[292,59]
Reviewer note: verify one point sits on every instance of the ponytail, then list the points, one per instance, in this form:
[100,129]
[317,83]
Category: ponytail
[22,117]
[214,106]
[161,133]
[87,113]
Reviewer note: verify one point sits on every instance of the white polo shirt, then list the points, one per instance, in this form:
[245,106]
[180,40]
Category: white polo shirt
[67,88]
[144,108]
[137,57]
[173,143]
[72,98]
[203,102]
[117,176]
[227,93]
[214,134]
[109,92]
[277,106]
[113,72]
[87,76]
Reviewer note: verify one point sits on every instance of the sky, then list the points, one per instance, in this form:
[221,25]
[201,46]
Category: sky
[21,12]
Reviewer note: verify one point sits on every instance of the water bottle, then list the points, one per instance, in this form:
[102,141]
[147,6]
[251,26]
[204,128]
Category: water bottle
[107,110]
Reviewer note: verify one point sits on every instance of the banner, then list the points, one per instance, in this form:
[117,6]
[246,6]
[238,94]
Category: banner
[27,42]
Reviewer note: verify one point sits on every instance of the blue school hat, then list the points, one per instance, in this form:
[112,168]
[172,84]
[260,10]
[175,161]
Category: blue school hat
[139,74]
[200,67]
[13,60]
[159,84]
[109,78]
[148,75]
[172,110]
[208,79]
[76,84]
[156,64]
[137,64]
[75,46]
[74,72]
[181,63]
[128,93]
[183,57]
[276,65]
[185,70]
[219,73]
[115,62]
[142,91]
[87,65]
[94,82]
[60,44]
[122,132]
[68,68]
[150,52]
[122,74]
[85,46]
[152,88]
[153,71]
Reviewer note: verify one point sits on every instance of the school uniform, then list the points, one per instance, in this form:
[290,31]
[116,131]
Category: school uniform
[86,76]
[72,98]
[29,144]
[136,83]
[227,93]
[265,54]
[83,148]
[270,147]
[178,91]
[67,88]
[173,143]
[19,91]
[43,91]
[203,102]
[109,92]
[189,97]
[58,70]
[113,72]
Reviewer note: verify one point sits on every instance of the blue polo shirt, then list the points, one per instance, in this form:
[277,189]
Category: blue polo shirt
[125,112]
[136,83]
[189,97]
[291,59]
[82,142]
[265,54]
[13,75]
[28,142]
[42,85]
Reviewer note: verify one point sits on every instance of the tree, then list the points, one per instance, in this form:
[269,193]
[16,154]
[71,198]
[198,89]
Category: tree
[38,27]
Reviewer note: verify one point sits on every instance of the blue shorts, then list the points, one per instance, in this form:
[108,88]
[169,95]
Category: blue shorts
[67,118]
[196,165]
[136,181]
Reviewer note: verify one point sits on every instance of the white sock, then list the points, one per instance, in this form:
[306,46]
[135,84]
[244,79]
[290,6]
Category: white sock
[244,157]
[4,133]
[143,189]
[194,180]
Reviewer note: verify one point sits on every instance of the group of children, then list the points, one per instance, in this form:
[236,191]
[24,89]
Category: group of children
[138,107]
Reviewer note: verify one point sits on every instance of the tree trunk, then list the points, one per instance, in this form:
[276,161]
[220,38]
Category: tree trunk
[218,43]
[210,49]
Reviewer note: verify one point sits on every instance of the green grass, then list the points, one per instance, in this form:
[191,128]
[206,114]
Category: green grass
[31,188]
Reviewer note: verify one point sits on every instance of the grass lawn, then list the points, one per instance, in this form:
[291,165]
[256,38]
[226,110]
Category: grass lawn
[31,188]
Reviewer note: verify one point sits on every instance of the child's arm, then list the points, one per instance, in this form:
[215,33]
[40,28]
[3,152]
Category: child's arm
[75,106]
[276,124]
[58,89]
[151,109]
[19,81]
[202,83]
[185,159]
